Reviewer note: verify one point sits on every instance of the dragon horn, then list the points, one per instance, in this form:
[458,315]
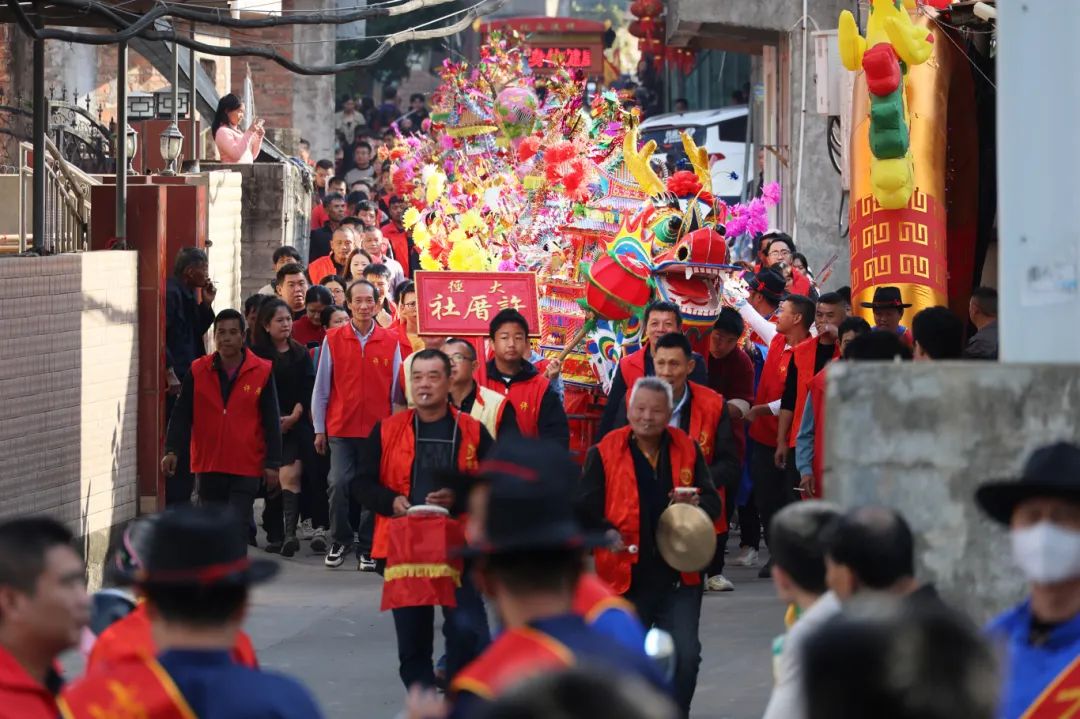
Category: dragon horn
[638,163]
[699,158]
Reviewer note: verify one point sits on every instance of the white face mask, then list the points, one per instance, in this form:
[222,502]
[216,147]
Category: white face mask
[1047,553]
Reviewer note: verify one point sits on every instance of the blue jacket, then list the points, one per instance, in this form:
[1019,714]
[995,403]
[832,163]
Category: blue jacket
[217,688]
[1029,669]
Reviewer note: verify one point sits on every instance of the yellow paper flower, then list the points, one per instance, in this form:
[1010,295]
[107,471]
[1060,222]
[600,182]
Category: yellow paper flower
[457,236]
[427,262]
[466,256]
[436,187]
[421,235]
[412,216]
[471,220]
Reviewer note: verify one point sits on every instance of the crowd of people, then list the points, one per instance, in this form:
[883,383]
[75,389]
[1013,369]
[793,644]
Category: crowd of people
[365,438]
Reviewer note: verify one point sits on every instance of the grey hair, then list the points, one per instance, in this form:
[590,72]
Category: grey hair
[654,384]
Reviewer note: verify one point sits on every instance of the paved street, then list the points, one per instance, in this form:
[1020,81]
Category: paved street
[324,627]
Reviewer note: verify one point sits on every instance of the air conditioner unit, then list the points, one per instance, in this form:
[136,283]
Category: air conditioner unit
[828,71]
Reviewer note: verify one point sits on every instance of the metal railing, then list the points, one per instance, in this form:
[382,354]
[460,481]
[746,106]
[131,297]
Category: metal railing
[67,202]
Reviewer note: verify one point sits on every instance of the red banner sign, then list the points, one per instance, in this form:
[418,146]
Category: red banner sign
[462,304]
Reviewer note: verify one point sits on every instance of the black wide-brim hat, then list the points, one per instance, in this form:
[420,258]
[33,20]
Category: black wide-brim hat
[1051,471]
[767,282]
[886,297]
[200,546]
[529,506]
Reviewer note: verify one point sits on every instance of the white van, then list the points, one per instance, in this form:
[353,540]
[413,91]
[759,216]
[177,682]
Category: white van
[723,135]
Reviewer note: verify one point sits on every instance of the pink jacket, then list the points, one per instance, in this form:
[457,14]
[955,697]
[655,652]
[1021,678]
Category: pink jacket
[237,147]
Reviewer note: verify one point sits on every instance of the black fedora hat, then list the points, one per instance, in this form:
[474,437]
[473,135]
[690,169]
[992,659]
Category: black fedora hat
[529,505]
[885,297]
[1051,471]
[767,282]
[199,546]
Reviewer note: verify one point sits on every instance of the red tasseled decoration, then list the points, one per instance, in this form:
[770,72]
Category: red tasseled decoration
[684,184]
[559,153]
[528,148]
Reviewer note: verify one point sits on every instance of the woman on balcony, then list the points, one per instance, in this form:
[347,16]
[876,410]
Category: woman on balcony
[235,145]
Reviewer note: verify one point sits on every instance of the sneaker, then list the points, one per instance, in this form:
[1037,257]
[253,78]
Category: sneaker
[335,557]
[304,531]
[318,541]
[747,557]
[719,584]
[290,547]
[273,547]
[364,563]
[766,571]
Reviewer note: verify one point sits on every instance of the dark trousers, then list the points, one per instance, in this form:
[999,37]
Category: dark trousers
[344,464]
[465,630]
[774,488]
[180,486]
[677,610]
[314,496]
[231,489]
[750,524]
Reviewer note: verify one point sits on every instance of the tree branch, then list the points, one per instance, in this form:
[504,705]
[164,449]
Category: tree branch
[142,28]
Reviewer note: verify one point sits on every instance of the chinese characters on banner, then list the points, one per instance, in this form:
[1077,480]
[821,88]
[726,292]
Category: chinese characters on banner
[560,56]
[462,304]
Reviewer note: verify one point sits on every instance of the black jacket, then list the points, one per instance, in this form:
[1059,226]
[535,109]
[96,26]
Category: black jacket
[186,321]
[617,396]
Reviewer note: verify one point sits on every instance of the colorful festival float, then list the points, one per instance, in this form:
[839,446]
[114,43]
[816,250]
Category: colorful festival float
[914,213]
[522,174]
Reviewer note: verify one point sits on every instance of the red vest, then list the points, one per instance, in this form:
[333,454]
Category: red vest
[622,506]
[805,354]
[138,686]
[398,453]
[132,637]
[817,397]
[20,694]
[632,367]
[518,654]
[361,380]
[771,388]
[706,407]
[321,268]
[399,243]
[525,398]
[228,439]
[593,597]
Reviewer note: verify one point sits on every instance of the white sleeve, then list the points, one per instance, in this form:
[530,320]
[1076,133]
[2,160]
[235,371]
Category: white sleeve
[774,407]
[765,329]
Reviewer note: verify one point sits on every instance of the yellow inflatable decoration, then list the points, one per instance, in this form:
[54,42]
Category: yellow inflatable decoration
[924,246]
[893,44]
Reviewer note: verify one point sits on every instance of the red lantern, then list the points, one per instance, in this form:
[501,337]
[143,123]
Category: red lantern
[617,287]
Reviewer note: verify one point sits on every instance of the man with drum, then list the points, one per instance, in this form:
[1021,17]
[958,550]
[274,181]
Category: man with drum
[399,478]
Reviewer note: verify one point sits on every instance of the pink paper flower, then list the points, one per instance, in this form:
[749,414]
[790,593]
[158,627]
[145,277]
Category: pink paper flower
[770,193]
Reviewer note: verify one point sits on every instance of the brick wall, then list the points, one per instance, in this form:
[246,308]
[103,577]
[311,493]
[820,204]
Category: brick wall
[68,382]
[274,212]
[272,83]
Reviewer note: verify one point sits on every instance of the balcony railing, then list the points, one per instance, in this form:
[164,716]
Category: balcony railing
[67,202]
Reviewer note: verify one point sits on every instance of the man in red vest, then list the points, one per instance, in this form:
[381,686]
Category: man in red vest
[227,413]
[400,468]
[43,609]
[810,440]
[773,487]
[357,378]
[660,318]
[807,359]
[628,480]
[196,580]
[341,246]
[395,233]
[530,551]
[703,414]
[538,410]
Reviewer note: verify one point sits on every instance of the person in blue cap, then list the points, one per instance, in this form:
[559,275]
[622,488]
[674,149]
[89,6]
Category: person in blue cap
[1041,636]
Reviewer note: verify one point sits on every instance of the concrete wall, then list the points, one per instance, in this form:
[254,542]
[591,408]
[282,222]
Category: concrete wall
[68,383]
[922,436]
[274,212]
[313,97]
[225,198]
